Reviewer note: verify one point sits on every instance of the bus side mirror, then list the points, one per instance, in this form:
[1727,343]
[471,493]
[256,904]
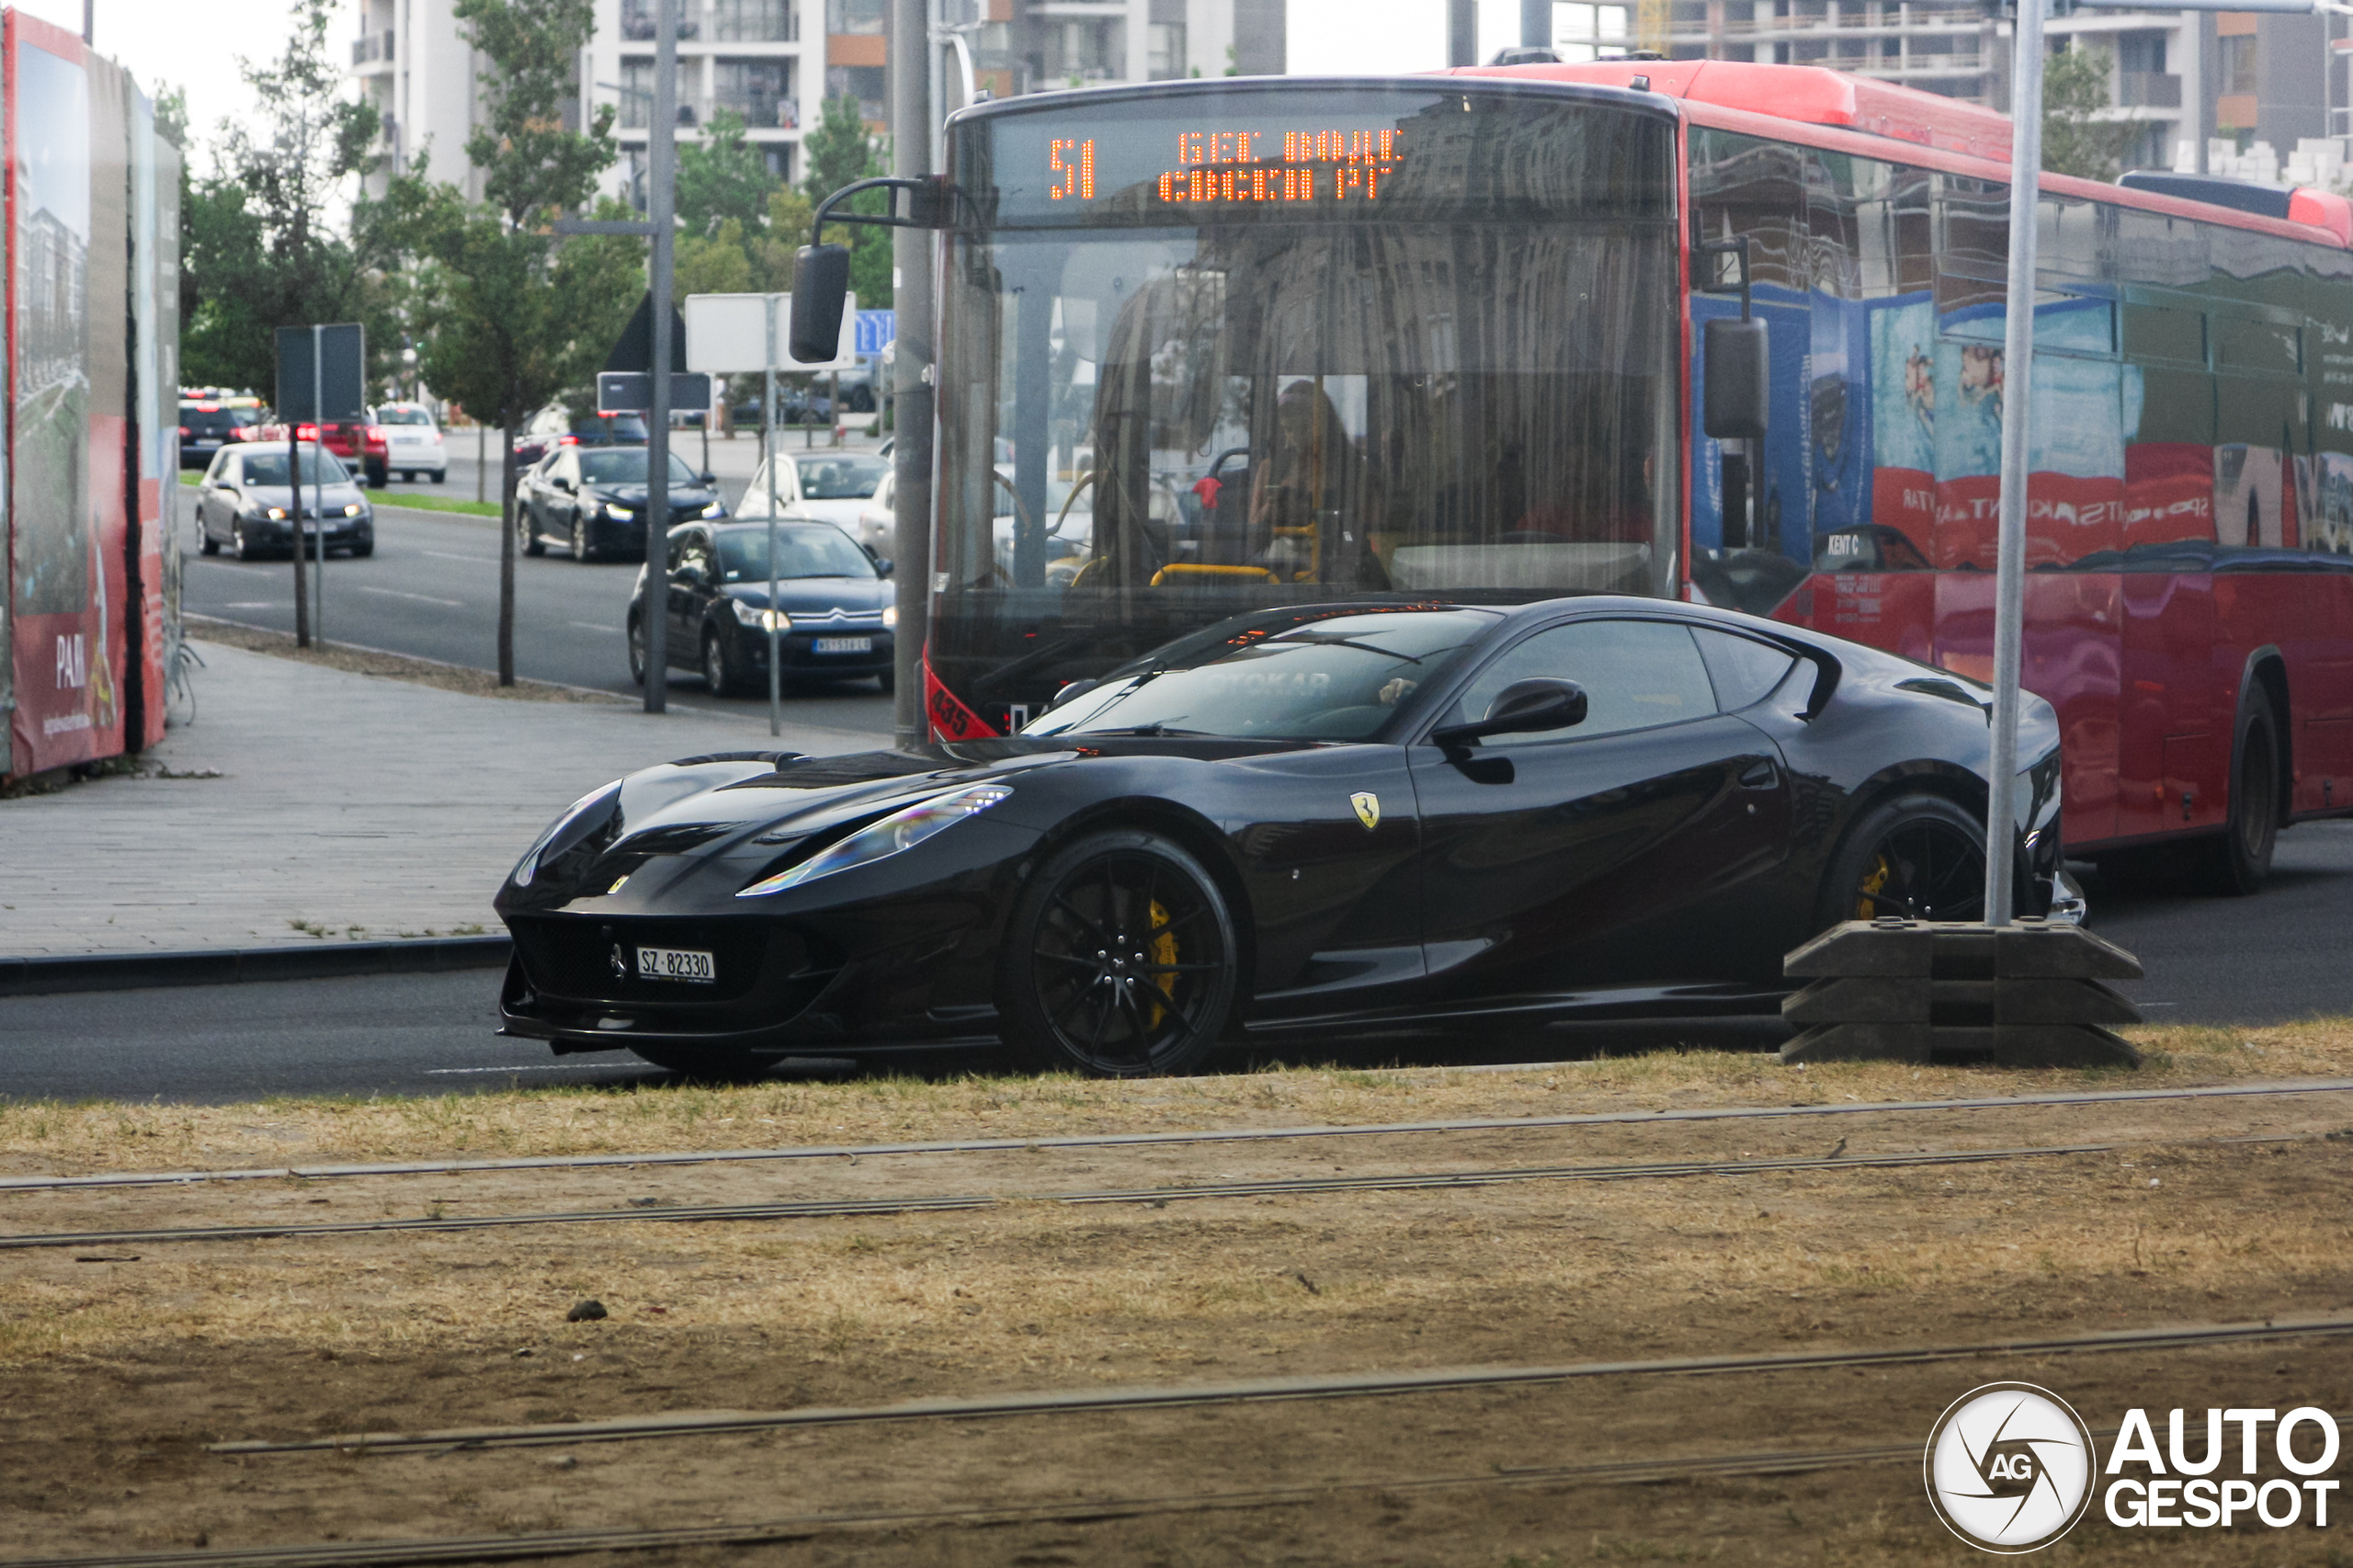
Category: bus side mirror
[820,293]
[1739,389]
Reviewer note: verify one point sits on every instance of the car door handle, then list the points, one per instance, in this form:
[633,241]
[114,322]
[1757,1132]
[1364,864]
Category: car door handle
[1760,774]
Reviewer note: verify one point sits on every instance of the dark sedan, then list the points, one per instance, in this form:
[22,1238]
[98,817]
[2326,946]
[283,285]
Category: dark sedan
[592,502]
[1333,818]
[832,615]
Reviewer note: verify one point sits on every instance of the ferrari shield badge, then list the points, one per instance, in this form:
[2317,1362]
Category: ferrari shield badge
[1368,805]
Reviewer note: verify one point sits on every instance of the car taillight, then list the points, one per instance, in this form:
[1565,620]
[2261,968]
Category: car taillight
[376,434]
[306,432]
[208,408]
[568,441]
[184,433]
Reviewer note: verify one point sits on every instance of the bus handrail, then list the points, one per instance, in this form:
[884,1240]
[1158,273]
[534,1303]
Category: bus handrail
[1181,569]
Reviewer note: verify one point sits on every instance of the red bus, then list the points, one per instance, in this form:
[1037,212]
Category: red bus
[1211,348]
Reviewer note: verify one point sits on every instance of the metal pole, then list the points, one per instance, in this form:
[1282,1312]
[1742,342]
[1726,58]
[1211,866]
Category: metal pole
[1462,32]
[663,140]
[482,461]
[911,457]
[294,512]
[2018,429]
[1536,23]
[768,420]
[319,489]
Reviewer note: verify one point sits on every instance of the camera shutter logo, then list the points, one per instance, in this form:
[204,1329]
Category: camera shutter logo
[2009,1467]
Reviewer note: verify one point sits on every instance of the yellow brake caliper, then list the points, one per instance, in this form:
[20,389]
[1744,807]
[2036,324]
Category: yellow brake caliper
[1163,951]
[1880,870]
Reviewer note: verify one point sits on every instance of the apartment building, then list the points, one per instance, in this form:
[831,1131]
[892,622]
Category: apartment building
[410,58]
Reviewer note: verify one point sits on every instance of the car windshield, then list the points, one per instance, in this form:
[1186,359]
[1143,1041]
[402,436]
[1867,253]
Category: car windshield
[404,416]
[628,466]
[809,550]
[270,468]
[1336,677]
[840,478]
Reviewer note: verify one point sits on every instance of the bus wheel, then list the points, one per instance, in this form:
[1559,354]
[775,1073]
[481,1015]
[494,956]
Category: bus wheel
[1119,961]
[2236,864]
[1916,858]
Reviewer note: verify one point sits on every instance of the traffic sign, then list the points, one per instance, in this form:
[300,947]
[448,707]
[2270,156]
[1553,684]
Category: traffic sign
[728,333]
[877,330]
[631,392]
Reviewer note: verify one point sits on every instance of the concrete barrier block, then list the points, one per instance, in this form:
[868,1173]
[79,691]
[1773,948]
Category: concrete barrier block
[1865,948]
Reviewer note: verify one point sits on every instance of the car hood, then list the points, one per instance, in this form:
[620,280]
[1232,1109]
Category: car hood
[634,495]
[815,595]
[335,498]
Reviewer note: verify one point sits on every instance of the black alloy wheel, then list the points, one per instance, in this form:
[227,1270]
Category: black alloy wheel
[1119,961]
[1913,858]
[527,529]
[637,650]
[2235,865]
[580,550]
[717,669]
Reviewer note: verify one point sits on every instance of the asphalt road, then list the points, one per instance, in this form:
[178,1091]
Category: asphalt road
[2270,959]
[431,589]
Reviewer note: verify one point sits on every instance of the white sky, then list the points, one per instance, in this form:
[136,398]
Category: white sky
[195,44]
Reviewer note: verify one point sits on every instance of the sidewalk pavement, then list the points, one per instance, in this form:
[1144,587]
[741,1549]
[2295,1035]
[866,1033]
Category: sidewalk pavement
[364,807]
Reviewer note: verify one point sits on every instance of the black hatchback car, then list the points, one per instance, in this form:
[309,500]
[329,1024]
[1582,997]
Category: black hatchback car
[592,502]
[834,610]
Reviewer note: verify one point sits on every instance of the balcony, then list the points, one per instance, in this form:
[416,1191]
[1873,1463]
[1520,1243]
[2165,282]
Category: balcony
[640,21]
[2147,89]
[371,52]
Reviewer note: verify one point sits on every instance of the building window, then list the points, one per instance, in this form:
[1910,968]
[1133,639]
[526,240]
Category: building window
[637,93]
[755,21]
[867,83]
[2238,63]
[854,15]
[1086,50]
[1166,43]
[759,90]
[639,20]
[2141,53]
[1590,33]
[780,156]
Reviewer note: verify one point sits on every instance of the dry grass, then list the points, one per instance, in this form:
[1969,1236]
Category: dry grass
[42,1136]
[389,667]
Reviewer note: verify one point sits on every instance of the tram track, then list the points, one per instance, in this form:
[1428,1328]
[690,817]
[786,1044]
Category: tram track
[1145,1140]
[1299,1187]
[1267,1390]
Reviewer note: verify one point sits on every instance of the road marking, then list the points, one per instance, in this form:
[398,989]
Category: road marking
[448,555]
[234,566]
[593,626]
[256,604]
[553,1067]
[421,598]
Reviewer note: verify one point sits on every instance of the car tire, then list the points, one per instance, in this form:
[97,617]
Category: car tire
[718,670]
[440,476]
[887,681]
[636,651]
[1917,857]
[527,530]
[205,543]
[580,550]
[2235,865]
[1104,918]
[244,548]
[363,550]
[378,477]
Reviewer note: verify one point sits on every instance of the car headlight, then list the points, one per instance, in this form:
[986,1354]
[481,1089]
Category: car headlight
[889,615]
[900,830]
[714,510]
[353,510]
[618,512]
[760,619]
[275,514]
[529,866]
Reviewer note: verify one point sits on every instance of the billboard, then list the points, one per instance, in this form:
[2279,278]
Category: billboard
[89,397]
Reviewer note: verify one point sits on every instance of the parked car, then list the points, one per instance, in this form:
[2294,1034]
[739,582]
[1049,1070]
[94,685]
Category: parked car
[205,428]
[591,500]
[833,605]
[556,425]
[1361,816]
[243,503]
[413,444]
[833,486]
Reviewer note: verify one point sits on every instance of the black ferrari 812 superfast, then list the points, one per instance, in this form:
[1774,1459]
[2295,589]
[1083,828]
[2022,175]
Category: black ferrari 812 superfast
[1342,818]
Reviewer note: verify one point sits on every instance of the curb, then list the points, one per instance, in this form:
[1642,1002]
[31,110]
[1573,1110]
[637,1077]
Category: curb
[235,966]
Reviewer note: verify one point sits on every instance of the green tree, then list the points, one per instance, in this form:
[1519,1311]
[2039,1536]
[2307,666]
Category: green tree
[841,150]
[2074,90]
[510,317]
[721,176]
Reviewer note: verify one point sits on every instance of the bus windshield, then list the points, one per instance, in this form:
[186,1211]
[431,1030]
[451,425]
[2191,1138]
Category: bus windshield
[1207,351]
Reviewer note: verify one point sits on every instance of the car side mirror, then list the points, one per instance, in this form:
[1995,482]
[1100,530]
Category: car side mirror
[560,483]
[1739,392]
[881,567]
[820,295]
[1525,706]
[708,480]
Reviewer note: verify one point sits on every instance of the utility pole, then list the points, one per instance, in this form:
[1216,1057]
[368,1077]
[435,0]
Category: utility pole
[661,161]
[911,133]
[1462,32]
[1536,24]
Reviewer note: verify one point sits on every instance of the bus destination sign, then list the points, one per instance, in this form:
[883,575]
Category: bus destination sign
[1225,167]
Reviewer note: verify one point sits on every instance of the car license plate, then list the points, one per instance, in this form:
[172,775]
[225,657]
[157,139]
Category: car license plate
[677,963]
[845,645]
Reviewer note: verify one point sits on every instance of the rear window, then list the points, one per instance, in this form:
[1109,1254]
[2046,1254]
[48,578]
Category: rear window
[208,421]
[404,416]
